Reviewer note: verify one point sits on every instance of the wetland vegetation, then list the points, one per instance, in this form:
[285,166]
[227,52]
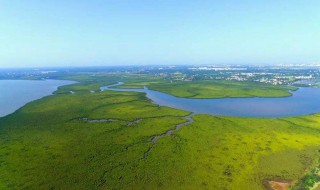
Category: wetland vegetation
[215,89]
[105,140]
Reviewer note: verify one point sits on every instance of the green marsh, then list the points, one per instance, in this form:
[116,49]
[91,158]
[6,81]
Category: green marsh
[48,145]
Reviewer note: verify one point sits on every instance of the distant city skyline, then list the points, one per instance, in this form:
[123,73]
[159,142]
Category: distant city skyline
[48,33]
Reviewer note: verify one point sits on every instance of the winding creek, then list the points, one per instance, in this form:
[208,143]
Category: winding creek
[155,138]
[178,127]
[304,101]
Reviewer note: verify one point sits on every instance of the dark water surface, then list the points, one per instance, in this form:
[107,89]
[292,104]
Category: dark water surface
[16,93]
[303,102]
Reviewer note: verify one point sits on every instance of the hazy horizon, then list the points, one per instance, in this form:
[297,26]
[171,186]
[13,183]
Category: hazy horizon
[120,33]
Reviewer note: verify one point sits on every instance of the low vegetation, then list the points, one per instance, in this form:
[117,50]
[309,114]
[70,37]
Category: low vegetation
[214,89]
[51,144]
[309,181]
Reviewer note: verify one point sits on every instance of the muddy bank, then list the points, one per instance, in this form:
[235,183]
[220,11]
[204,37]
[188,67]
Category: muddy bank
[277,184]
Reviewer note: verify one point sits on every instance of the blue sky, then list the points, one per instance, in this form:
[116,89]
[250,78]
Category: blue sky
[125,32]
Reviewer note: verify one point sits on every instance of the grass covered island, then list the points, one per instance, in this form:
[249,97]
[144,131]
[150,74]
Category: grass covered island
[214,89]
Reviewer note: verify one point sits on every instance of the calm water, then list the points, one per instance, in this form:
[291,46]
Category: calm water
[304,101]
[16,93]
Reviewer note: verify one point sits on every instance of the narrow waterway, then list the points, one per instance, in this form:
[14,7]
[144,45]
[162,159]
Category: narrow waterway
[155,138]
[303,102]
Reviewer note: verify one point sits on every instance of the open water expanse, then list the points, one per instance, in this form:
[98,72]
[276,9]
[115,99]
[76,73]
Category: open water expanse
[303,102]
[16,93]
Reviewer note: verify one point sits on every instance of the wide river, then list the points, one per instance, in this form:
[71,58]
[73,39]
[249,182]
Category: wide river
[16,93]
[303,102]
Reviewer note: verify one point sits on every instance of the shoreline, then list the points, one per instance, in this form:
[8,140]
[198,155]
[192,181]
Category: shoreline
[28,97]
[256,107]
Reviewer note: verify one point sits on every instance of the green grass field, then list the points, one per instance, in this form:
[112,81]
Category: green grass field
[51,144]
